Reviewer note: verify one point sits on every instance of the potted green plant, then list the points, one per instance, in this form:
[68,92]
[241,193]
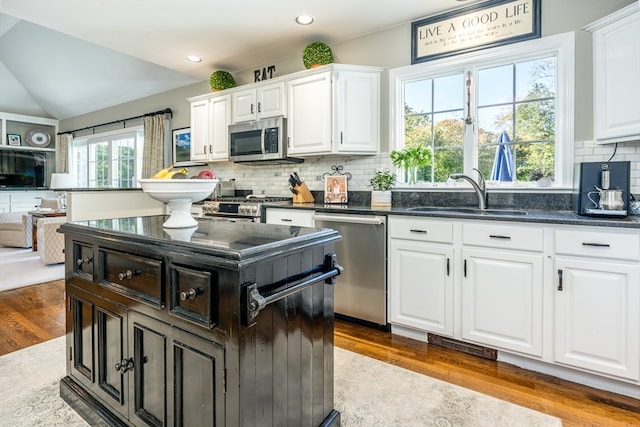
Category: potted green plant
[410,159]
[316,54]
[381,182]
[221,80]
[541,176]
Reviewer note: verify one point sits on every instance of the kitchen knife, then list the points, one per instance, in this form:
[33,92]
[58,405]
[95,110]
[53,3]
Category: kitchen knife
[297,178]
[292,181]
[293,190]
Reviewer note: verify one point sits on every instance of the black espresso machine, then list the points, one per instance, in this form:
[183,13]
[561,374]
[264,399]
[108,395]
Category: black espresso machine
[602,188]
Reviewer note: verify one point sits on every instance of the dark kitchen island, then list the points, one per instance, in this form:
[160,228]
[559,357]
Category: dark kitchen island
[227,325]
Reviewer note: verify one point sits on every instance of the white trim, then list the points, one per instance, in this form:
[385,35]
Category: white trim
[562,46]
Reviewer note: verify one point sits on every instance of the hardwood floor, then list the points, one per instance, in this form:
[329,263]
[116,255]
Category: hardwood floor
[36,313]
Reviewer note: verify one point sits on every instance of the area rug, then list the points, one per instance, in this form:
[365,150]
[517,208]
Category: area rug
[367,393]
[23,267]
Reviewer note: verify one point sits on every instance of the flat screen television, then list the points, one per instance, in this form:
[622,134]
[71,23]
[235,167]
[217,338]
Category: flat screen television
[24,169]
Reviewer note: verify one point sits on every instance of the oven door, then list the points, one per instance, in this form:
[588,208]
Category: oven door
[230,218]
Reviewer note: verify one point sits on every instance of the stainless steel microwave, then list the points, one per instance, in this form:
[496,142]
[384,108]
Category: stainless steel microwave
[259,141]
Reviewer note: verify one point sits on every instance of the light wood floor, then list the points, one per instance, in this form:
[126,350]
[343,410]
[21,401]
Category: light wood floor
[36,313]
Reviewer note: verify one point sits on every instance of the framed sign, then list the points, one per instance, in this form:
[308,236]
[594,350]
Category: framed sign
[181,141]
[335,189]
[13,139]
[481,26]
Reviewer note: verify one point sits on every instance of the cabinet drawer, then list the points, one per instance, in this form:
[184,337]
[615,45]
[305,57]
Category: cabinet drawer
[194,295]
[424,230]
[134,276]
[503,236]
[298,217]
[83,260]
[598,244]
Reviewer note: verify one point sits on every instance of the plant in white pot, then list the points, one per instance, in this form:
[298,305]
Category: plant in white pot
[381,182]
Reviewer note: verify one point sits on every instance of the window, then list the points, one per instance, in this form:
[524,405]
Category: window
[512,105]
[108,160]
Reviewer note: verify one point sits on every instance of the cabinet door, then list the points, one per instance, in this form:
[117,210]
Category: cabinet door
[198,381]
[356,112]
[200,131]
[271,101]
[597,307]
[244,105]
[220,114]
[421,286]
[616,70]
[502,299]
[309,114]
[148,344]
[82,316]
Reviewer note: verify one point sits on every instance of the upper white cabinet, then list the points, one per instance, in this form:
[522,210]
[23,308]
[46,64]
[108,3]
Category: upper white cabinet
[259,102]
[210,116]
[334,110]
[616,62]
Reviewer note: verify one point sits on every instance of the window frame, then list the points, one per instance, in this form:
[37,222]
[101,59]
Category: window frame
[561,46]
[110,136]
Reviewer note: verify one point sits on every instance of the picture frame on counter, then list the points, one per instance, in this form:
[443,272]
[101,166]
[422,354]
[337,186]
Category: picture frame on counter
[14,139]
[480,26]
[181,143]
[335,189]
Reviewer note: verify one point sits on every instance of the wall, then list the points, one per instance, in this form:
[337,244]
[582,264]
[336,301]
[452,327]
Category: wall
[390,48]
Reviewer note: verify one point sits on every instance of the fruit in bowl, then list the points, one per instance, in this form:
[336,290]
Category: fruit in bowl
[179,194]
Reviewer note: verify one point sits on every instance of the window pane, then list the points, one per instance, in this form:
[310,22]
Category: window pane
[535,121]
[495,85]
[535,79]
[417,130]
[417,96]
[448,129]
[448,93]
[535,156]
[492,121]
[447,161]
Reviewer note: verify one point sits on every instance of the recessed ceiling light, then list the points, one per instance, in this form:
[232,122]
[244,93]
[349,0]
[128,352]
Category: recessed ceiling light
[194,58]
[304,19]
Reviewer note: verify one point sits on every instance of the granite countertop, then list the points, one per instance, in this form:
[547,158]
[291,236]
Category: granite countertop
[234,241]
[532,215]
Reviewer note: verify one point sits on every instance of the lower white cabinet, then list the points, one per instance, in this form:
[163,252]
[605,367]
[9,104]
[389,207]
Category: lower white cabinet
[597,302]
[296,217]
[421,274]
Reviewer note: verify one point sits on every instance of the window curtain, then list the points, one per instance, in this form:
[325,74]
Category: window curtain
[62,152]
[153,149]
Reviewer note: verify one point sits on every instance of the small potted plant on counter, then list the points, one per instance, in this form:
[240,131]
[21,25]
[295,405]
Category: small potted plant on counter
[381,182]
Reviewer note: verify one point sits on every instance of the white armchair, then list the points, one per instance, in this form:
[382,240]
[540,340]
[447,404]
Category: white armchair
[50,242]
[15,229]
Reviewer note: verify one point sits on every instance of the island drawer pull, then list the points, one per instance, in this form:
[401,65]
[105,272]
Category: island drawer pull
[191,294]
[252,301]
[85,260]
[127,274]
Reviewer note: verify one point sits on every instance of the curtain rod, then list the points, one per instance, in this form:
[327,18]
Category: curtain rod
[165,111]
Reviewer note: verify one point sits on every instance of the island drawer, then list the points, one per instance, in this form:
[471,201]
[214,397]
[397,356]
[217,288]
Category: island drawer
[607,244]
[83,260]
[194,295]
[424,230]
[135,276]
[496,235]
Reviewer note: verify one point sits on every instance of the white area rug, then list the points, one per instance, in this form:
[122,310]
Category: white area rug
[367,393]
[23,267]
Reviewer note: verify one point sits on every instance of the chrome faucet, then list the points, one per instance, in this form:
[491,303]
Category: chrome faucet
[480,186]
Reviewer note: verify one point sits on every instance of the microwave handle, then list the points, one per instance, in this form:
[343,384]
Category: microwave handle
[263,134]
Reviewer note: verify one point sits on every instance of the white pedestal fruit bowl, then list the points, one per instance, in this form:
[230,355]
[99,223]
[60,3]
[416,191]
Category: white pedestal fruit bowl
[179,194]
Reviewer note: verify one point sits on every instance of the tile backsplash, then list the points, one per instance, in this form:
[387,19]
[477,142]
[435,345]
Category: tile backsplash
[272,179]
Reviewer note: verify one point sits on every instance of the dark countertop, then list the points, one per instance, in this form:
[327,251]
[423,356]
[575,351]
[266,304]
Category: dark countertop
[234,241]
[532,216]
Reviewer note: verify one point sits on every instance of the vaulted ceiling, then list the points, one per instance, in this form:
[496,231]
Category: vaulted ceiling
[65,58]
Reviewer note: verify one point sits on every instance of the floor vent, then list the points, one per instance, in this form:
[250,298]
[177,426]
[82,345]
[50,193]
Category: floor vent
[476,350]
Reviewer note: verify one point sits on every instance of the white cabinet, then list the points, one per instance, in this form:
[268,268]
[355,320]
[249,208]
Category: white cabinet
[335,110]
[597,301]
[210,128]
[27,132]
[421,274]
[296,217]
[260,102]
[616,60]
[502,286]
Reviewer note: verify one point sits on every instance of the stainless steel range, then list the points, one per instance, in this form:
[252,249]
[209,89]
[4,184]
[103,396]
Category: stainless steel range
[247,208]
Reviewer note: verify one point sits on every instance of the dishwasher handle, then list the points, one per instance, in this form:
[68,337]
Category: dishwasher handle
[352,219]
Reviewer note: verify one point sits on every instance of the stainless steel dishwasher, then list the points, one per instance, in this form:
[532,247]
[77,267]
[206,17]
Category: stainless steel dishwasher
[361,290]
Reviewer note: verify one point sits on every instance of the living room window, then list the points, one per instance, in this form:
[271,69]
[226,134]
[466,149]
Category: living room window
[108,160]
[507,111]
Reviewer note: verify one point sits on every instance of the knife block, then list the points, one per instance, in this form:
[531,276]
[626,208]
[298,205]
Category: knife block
[304,195]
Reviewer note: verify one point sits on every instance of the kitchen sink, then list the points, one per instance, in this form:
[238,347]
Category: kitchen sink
[467,211]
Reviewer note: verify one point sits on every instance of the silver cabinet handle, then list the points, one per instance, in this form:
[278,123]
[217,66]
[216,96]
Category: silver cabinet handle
[353,219]
[596,245]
